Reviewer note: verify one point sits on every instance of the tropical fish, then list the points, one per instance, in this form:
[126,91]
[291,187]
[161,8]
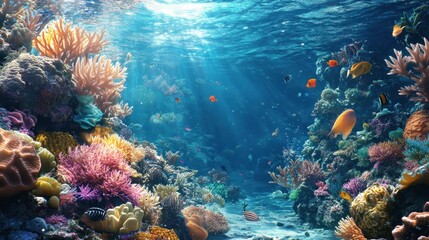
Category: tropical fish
[311,83]
[384,99]
[359,69]
[344,124]
[397,30]
[249,215]
[177,100]
[275,133]
[212,99]
[96,214]
[128,57]
[287,78]
[332,63]
[345,195]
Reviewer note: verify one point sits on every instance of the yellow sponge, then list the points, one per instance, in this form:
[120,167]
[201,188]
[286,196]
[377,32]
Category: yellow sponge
[121,219]
[47,187]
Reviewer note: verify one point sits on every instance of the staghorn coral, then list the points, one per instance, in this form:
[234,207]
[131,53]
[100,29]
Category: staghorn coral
[165,190]
[60,40]
[211,221]
[98,77]
[370,211]
[57,142]
[150,205]
[121,219]
[417,126]
[129,152]
[414,67]
[172,157]
[415,226]
[99,167]
[348,230]
[287,177]
[19,164]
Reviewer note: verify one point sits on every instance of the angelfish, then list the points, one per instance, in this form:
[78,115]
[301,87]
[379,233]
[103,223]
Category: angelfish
[344,124]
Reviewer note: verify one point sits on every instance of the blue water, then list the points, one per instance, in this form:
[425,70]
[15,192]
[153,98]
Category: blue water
[238,51]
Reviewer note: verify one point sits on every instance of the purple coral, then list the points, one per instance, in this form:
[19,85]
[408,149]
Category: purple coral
[381,126]
[87,193]
[22,121]
[101,168]
[56,219]
[385,152]
[355,186]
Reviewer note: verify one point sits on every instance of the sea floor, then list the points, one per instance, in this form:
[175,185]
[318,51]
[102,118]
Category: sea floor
[271,211]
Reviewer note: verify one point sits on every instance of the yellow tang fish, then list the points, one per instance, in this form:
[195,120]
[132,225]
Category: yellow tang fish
[359,69]
[345,195]
[344,124]
[397,30]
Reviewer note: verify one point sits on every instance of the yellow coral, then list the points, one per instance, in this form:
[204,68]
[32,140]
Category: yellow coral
[130,153]
[420,176]
[47,187]
[121,219]
[57,142]
[370,211]
[99,131]
[164,190]
[149,203]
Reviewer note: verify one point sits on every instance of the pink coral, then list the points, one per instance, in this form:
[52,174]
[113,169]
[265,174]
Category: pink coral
[322,189]
[56,219]
[355,186]
[100,168]
[419,72]
[385,152]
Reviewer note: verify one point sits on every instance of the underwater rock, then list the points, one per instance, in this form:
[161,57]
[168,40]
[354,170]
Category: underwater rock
[39,84]
[36,225]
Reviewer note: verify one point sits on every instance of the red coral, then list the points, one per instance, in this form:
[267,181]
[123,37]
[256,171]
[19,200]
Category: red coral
[385,152]
[101,168]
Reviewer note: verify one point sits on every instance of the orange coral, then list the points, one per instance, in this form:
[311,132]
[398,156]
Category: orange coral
[19,164]
[60,40]
[211,221]
[157,233]
[57,142]
[130,153]
[98,77]
[419,176]
[348,230]
[417,126]
[196,230]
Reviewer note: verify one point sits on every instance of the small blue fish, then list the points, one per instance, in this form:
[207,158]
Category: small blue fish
[96,214]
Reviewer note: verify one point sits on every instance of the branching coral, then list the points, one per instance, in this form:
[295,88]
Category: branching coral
[150,205]
[418,72]
[99,167]
[355,186]
[384,152]
[348,230]
[11,9]
[287,176]
[129,152]
[104,81]
[60,40]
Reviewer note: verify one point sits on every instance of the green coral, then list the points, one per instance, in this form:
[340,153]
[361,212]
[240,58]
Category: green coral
[219,189]
[294,194]
[417,151]
[397,134]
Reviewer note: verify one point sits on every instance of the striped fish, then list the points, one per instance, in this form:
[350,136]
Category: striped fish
[287,78]
[96,214]
[383,98]
[250,216]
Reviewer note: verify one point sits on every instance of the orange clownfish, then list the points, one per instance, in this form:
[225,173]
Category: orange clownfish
[397,30]
[345,195]
[177,100]
[344,124]
[332,63]
[212,98]
[311,83]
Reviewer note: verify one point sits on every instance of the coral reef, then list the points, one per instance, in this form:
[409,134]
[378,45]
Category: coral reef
[19,165]
[370,211]
[39,84]
[87,115]
[212,222]
[157,233]
[128,151]
[348,230]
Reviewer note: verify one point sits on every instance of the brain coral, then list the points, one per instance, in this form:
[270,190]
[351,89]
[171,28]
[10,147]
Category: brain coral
[19,164]
[417,126]
[56,142]
[370,211]
[39,84]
